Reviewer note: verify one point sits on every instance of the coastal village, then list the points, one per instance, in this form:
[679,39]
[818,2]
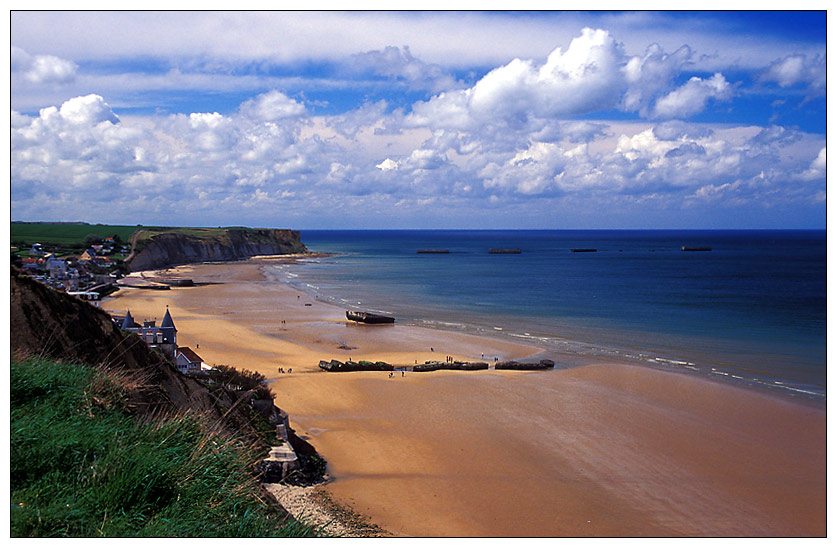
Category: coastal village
[90,276]
[93,275]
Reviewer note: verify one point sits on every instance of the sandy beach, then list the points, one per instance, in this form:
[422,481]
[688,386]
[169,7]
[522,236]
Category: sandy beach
[606,449]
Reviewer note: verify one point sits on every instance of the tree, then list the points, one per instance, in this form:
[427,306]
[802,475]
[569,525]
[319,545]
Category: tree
[91,239]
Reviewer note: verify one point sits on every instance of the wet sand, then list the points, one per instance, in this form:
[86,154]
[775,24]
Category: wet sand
[600,450]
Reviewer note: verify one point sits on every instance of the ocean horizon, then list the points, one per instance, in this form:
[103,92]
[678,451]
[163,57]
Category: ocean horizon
[743,306]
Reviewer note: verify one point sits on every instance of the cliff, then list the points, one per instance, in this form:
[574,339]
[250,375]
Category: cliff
[182,247]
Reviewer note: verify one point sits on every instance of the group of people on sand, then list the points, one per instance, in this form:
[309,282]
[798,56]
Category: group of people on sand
[282,370]
[391,374]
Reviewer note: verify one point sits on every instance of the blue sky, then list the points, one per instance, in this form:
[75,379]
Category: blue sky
[420,119]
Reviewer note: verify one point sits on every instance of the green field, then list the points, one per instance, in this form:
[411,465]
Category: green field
[66,234]
[73,234]
[69,238]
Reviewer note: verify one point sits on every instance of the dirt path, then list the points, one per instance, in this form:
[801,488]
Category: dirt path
[133,245]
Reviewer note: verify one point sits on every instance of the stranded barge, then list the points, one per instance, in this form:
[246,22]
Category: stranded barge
[368,317]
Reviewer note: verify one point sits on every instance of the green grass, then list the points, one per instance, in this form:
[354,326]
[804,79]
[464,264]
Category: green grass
[219,235]
[82,467]
[66,234]
[203,233]
[74,233]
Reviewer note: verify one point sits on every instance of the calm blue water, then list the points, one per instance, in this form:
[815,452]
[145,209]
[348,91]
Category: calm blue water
[751,310]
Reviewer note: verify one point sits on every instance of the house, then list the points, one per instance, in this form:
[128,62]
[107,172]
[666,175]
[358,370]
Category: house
[57,267]
[187,360]
[88,255]
[162,337]
[30,263]
[36,249]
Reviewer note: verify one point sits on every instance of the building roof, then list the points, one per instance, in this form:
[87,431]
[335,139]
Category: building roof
[189,354]
[167,321]
[128,322]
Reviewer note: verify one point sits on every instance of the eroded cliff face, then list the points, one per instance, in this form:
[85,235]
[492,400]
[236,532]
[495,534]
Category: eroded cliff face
[172,248]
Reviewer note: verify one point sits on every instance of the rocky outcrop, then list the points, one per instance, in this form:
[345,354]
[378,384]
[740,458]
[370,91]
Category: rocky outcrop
[175,248]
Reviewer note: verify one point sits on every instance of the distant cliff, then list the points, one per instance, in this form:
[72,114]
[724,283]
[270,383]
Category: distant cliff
[194,246]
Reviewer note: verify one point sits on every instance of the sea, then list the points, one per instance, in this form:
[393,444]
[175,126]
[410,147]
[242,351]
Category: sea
[748,308]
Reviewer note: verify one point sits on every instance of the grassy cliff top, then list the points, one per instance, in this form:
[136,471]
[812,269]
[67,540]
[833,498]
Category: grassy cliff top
[63,234]
[74,234]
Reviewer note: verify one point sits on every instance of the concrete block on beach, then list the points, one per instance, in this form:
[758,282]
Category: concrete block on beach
[362,365]
[452,366]
[522,366]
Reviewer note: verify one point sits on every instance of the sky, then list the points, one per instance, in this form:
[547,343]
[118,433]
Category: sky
[377,120]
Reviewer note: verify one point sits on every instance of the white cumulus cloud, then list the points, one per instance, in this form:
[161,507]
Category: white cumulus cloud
[272,106]
[798,68]
[593,74]
[42,69]
[90,109]
[387,165]
[692,97]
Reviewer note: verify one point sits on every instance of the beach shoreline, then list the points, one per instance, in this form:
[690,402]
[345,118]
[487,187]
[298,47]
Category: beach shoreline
[438,454]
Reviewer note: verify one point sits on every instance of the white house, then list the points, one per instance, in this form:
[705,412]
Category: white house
[187,361]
